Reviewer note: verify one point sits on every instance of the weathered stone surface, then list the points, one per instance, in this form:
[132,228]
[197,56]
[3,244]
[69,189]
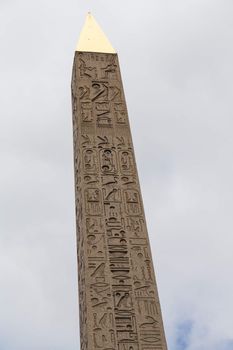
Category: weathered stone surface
[119,304]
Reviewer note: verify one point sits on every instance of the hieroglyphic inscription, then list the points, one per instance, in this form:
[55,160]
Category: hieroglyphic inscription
[119,305]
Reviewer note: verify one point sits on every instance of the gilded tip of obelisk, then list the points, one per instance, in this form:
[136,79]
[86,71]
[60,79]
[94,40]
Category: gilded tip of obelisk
[92,38]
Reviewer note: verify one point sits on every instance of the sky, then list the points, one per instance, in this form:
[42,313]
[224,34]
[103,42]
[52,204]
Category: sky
[176,63]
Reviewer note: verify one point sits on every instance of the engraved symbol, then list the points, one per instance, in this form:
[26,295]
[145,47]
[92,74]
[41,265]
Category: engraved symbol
[123,300]
[94,225]
[135,226]
[84,91]
[93,201]
[128,346]
[91,179]
[86,140]
[103,116]
[99,302]
[86,112]
[103,140]
[90,161]
[120,113]
[102,106]
[147,306]
[99,272]
[125,324]
[109,72]
[128,180]
[101,288]
[99,91]
[103,331]
[111,195]
[104,119]
[109,180]
[151,337]
[141,266]
[132,202]
[95,246]
[120,141]
[112,212]
[85,71]
[152,347]
[115,93]
[151,323]
[126,162]
[143,290]
[108,162]
[101,321]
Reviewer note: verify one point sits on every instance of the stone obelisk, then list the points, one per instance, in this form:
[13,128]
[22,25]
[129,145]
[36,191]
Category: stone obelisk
[119,303]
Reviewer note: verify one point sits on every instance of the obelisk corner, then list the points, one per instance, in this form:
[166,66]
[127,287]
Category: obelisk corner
[93,39]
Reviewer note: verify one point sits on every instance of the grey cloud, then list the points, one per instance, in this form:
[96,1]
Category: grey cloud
[176,62]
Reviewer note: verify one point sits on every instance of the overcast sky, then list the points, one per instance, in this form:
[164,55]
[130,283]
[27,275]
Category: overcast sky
[176,61]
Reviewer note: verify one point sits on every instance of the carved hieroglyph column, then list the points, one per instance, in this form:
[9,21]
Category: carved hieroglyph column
[119,303]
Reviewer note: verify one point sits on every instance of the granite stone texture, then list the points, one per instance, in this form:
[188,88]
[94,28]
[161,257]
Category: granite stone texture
[119,303]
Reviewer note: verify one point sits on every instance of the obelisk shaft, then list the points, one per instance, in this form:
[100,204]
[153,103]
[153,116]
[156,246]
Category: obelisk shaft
[119,304]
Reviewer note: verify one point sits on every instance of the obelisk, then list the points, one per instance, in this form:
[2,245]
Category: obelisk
[118,297]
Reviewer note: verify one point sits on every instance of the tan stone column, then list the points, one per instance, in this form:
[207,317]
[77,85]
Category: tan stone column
[119,303]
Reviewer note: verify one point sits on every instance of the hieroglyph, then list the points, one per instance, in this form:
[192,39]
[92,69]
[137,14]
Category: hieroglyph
[119,304]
